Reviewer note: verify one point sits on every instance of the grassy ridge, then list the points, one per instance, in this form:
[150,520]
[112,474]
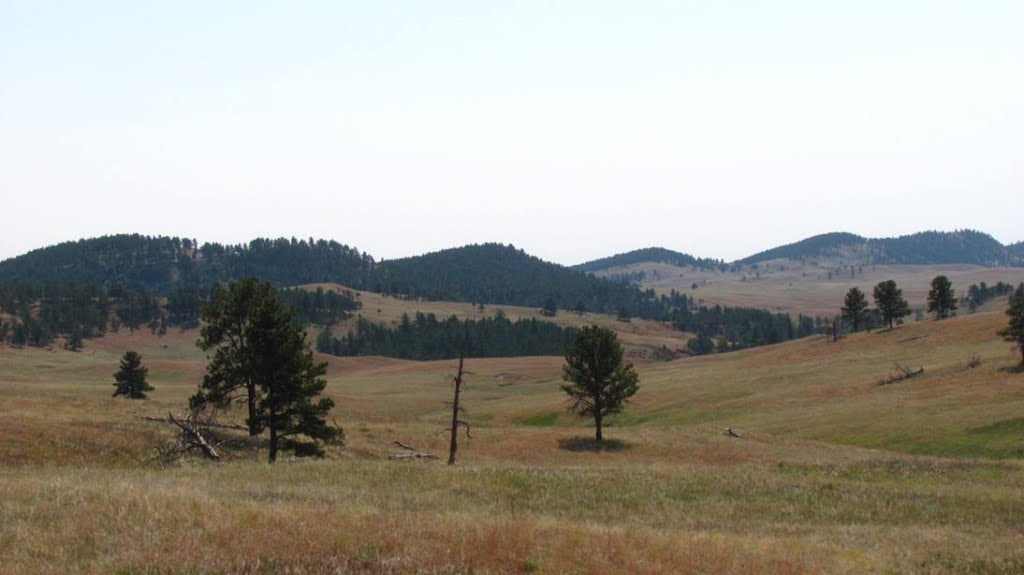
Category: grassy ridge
[794,287]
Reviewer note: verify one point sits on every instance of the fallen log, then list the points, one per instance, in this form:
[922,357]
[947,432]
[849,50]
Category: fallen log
[206,424]
[899,373]
[194,438]
[728,431]
[412,455]
[413,452]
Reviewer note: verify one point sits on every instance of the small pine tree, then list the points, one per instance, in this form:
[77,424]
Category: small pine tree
[325,341]
[941,298]
[855,308]
[550,308]
[130,380]
[74,339]
[1014,332]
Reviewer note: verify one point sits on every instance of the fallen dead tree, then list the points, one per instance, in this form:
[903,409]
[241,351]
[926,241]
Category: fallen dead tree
[411,452]
[900,372]
[195,436]
[206,424]
[729,431]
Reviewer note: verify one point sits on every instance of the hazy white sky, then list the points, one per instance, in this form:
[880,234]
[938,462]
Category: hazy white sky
[572,129]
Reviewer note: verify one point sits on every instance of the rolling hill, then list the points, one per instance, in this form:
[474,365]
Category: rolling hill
[648,255]
[831,472]
[842,248]
[924,248]
[486,273]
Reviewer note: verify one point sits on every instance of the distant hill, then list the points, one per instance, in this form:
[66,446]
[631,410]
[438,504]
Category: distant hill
[648,255]
[927,248]
[500,274]
[160,264]
[488,273]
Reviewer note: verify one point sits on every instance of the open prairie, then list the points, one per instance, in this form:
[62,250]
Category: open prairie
[807,288]
[832,472]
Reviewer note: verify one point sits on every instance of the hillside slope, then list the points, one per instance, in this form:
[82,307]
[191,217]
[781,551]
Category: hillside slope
[927,248]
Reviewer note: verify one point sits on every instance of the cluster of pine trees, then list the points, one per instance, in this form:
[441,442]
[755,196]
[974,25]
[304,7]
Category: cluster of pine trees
[321,307]
[722,329]
[39,313]
[425,337]
[978,294]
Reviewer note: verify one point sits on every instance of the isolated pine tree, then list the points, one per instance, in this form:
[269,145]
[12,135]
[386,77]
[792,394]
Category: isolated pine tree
[890,303]
[855,308]
[941,298]
[600,383]
[1015,330]
[260,354]
[130,380]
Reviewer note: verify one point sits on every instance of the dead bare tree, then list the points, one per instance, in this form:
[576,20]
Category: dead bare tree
[457,410]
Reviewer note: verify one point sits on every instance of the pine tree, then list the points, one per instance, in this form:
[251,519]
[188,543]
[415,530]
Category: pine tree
[260,355]
[855,307]
[550,308]
[1014,332]
[941,298]
[130,380]
[600,382]
[890,303]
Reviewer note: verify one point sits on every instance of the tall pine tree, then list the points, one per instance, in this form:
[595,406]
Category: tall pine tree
[941,298]
[261,356]
[890,303]
[1015,330]
[855,308]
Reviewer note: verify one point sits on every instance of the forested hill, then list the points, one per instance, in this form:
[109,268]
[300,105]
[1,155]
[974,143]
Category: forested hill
[160,264]
[928,248]
[495,273]
[645,255]
[1016,250]
[488,273]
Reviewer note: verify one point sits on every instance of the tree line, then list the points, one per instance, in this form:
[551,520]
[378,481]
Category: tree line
[425,337]
[891,307]
[978,294]
[37,314]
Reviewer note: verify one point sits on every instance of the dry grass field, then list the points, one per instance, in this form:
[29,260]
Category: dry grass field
[833,473]
[795,287]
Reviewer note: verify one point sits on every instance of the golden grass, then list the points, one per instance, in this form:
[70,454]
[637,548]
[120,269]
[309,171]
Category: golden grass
[806,288]
[833,473]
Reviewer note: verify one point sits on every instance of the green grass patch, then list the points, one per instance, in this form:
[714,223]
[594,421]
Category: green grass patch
[541,420]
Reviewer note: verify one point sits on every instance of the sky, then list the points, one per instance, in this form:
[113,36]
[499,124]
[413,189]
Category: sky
[574,130]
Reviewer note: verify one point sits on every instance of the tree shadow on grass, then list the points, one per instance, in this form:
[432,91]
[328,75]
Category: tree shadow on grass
[589,444]
[1014,369]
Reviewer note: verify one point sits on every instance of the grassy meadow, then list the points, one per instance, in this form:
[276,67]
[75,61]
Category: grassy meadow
[833,473]
[804,287]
